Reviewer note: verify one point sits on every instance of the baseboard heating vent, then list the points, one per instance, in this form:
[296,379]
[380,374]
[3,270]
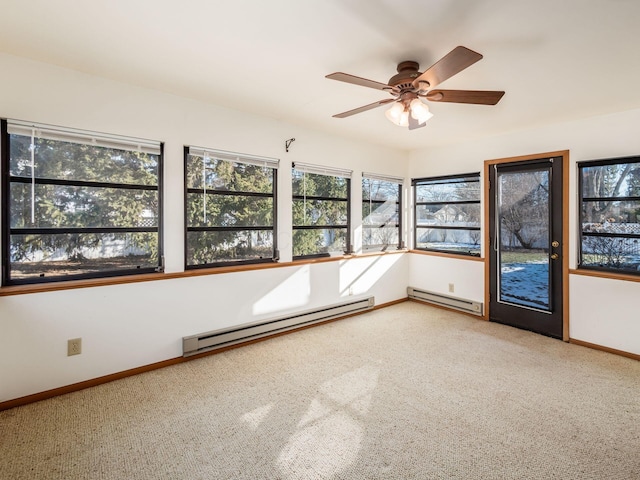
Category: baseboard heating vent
[445,300]
[213,340]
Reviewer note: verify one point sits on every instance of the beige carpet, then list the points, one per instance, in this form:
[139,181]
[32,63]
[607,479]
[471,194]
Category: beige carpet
[404,392]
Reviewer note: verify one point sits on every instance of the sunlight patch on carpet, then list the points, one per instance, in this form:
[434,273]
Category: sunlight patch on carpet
[330,432]
[255,417]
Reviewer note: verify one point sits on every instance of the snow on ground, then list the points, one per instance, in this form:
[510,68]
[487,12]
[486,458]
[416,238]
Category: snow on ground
[525,284]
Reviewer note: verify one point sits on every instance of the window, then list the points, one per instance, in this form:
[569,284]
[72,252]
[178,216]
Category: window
[78,204]
[447,214]
[381,199]
[230,208]
[610,214]
[320,211]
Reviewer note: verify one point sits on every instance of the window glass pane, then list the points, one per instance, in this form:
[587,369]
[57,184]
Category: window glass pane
[455,215]
[309,212]
[65,254]
[71,186]
[618,253]
[228,211]
[62,206]
[610,228]
[379,190]
[55,159]
[240,245]
[319,212]
[448,191]
[454,240]
[315,241]
[611,216]
[380,236]
[312,184]
[225,175]
[617,180]
[447,213]
[379,213]
[216,206]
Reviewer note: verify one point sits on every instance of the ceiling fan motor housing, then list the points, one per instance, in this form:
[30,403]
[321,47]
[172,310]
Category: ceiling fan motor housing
[407,73]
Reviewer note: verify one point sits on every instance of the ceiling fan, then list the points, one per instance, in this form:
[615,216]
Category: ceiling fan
[409,86]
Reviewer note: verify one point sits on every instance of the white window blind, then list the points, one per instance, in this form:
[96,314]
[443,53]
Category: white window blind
[384,178]
[50,132]
[321,170]
[234,157]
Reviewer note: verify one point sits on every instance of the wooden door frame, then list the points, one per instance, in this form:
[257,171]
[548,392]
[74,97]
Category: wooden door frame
[565,230]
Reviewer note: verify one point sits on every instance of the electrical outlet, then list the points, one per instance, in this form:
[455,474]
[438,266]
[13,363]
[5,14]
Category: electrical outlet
[451,287]
[74,346]
[350,290]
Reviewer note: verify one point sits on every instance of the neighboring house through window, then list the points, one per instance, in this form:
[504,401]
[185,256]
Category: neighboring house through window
[610,215]
[230,208]
[447,214]
[78,204]
[321,211]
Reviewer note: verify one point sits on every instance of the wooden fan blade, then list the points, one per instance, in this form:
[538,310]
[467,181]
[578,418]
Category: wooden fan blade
[365,108]
[363,82]
[453,62]
[478,97]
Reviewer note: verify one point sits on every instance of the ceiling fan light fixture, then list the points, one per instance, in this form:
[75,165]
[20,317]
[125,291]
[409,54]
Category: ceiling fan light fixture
[420,111]
[395,113]
[404,119]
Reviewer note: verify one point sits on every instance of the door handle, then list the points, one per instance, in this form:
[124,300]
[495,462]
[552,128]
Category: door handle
[555,244]
[554,256]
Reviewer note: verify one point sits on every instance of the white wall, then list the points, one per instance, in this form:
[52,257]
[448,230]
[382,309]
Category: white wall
[127,326]
[435,273]
[602,311]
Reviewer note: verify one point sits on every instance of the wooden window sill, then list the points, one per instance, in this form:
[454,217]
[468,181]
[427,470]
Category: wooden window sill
[610,275]
[473,258]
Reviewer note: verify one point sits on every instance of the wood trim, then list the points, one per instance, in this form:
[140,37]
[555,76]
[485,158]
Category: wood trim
[608,275]
[524,158]
[389,304]
[565,228]
[622,353]
[36,397]
[448,255]
[150,277]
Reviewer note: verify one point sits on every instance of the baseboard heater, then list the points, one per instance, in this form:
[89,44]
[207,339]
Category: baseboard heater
[461,304]
[213,340]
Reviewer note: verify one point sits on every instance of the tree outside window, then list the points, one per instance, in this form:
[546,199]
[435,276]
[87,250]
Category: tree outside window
[610,215]
[80,204]
[320,212]
[230,208]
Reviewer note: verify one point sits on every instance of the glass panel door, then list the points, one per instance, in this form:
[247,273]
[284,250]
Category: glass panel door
[523,238]
[526,226]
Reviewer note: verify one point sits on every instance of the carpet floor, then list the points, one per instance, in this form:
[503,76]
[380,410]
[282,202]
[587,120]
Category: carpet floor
[404,392]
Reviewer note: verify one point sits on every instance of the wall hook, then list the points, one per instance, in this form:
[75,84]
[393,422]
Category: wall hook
[287,143]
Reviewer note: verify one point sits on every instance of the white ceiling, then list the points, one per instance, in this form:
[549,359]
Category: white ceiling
[557,60]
